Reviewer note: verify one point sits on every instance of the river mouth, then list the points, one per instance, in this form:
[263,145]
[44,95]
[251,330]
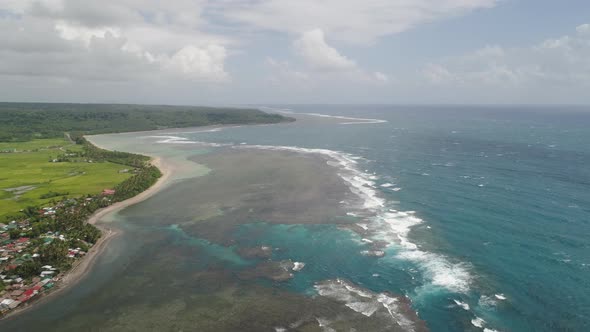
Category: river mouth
[260,240]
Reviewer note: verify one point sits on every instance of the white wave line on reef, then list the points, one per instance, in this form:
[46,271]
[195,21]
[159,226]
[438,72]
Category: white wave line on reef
[171,139]
[341,117]
[182,140]
[387,225]
[355,120]
[390,225]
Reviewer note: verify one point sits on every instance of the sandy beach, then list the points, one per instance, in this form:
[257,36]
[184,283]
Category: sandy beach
[81,267]
[84,265]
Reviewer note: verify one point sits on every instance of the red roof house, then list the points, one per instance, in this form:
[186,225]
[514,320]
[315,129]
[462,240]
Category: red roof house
[108,192]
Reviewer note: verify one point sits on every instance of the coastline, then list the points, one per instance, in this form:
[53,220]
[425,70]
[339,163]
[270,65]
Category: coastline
[83,266]
[315,163]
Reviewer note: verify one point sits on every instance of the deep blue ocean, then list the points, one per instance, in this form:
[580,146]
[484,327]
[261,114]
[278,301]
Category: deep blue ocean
[487,208]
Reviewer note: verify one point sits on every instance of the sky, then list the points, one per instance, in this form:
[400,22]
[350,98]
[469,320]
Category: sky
[234,52]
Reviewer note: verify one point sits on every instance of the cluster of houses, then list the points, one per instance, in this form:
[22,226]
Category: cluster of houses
[15,290]
[13,252]
[17,293]
[48,211]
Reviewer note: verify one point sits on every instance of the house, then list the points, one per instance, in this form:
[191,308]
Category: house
[6,303]
[108,192]
[14,304]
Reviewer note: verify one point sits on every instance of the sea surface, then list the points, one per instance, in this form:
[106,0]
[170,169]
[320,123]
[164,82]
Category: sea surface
[482,215]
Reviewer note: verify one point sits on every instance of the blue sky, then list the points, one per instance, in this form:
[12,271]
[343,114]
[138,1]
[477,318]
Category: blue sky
[304,51]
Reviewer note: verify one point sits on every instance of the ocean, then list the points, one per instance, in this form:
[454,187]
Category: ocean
[477,215]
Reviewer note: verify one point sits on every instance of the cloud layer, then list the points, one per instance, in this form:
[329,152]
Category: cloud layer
[110,40]
[561,61]
[347,20]
[239,46]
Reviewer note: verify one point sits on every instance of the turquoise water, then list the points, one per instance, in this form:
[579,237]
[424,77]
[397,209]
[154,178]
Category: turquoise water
[501,199]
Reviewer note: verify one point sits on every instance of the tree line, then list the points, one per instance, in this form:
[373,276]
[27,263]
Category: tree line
[26,121]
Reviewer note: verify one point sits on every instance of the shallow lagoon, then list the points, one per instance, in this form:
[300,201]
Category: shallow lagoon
[189,258]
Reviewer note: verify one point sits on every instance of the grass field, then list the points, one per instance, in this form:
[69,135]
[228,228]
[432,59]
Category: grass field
[26,173]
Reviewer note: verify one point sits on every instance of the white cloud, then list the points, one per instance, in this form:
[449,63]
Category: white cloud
[346,20]
[379,76]
[318,54]
[200,63]
[324,62]
[81,33]
[553,62]
[583,29]
[283,71]
[112,40]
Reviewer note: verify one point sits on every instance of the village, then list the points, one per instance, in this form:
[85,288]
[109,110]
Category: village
[41,243]
[24,249]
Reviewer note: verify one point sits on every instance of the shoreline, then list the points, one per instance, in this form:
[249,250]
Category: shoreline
[82,267]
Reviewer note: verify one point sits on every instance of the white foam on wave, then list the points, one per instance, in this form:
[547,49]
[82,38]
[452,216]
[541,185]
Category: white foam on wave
[172,139]
[395,227]
[454,277]
[481,323]
[387,185]
[390,225]
[363,226]
[350,120]
[478,322]
[209,130]
[463,305]
[487,301]
[365,308]
[359,182]
[298,266]
[364,301]
[166,139]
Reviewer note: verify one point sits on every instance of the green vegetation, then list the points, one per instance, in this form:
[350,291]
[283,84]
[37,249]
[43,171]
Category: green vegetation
[52,179]
[97,154]
[26,121]
[29,178]
[67,217]
[40,162]
[52,194]
[141,181]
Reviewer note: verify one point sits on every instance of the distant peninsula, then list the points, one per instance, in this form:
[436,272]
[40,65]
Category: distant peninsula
[27,121]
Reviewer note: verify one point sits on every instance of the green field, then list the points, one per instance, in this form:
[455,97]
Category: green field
[26,170]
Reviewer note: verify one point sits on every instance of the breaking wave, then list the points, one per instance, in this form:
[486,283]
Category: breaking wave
[165,139]
[389,225]
[364,301]
[379,223]
[348,120]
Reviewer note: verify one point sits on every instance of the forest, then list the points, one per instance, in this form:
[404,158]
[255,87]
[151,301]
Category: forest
[26,121]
